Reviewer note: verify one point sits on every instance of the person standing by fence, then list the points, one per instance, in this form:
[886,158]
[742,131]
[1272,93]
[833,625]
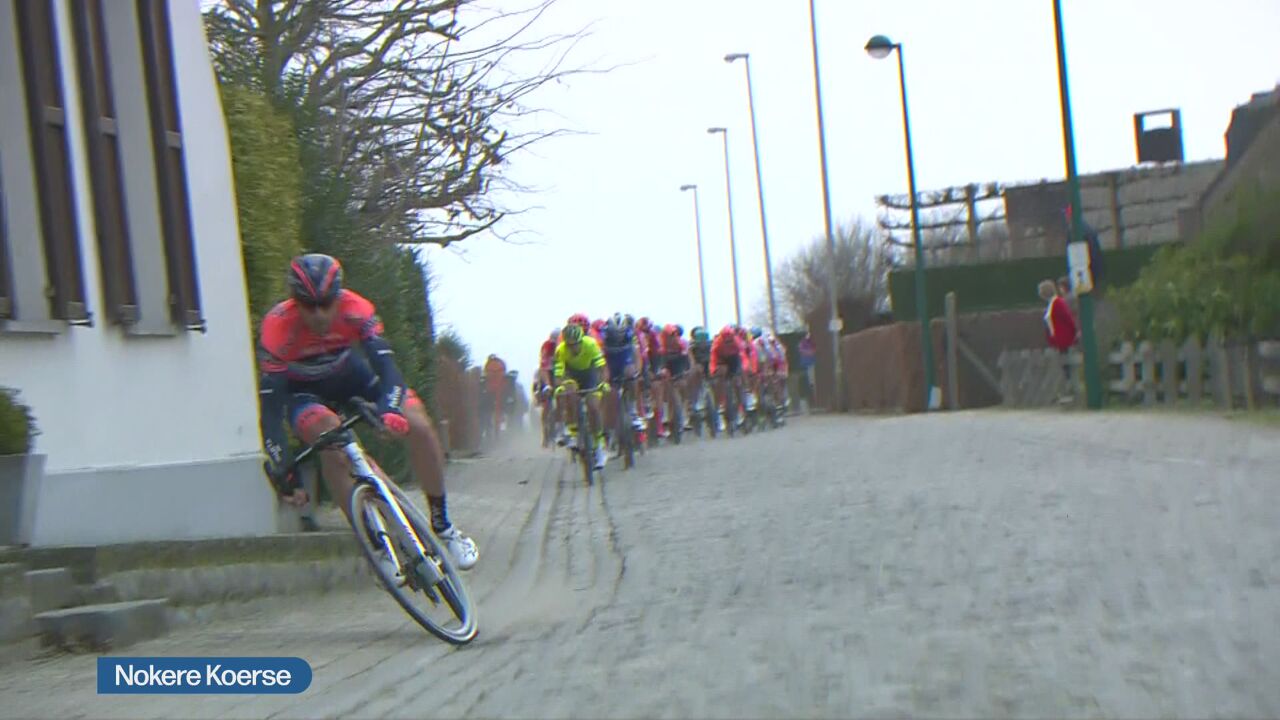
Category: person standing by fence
[808,359]
[1060,327]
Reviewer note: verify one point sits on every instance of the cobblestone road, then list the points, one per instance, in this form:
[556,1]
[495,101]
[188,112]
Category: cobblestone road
[960,565]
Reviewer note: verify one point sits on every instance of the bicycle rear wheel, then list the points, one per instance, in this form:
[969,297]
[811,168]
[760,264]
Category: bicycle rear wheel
[456,623]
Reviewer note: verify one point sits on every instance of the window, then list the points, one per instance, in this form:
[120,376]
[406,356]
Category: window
[162,100]
[103,146]
[41,74]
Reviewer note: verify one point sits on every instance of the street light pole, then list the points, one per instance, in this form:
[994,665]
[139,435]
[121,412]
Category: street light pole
[834,322]
[880,46]
[733,245]
[1093,384]
[702,279]
[764,226]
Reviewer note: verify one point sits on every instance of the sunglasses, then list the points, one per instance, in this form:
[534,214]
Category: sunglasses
[309,304]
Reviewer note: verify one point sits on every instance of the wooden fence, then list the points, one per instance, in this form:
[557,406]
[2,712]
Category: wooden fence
[1223,376]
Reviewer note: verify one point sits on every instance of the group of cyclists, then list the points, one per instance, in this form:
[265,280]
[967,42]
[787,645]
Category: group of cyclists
[665,381]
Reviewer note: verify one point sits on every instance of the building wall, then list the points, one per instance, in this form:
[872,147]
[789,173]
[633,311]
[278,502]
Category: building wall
[148,435]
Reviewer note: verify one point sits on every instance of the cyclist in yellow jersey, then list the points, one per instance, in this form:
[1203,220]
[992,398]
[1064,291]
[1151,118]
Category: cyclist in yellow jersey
[579,364]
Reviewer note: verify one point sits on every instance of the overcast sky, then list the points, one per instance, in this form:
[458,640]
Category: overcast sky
[613,232]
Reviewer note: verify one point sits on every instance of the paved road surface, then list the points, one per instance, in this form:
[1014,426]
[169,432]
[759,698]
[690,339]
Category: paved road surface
[979,564]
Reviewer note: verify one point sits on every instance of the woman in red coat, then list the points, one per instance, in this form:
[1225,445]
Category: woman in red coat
[1060,326]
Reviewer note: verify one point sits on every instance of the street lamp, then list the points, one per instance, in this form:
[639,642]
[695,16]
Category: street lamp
[702,280]
[1093,383]
[880,47]
[764,226]
[834,324]
[733,246]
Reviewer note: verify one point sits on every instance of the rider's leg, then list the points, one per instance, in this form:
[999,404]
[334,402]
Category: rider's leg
[310,421]
[593,411]
[426,457]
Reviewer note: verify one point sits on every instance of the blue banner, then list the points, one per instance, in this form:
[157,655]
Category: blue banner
[203,675]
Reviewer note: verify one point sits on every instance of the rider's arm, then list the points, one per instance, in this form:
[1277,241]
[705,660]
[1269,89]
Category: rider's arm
[558,368]
[273,399]
[273,388]
[382,360]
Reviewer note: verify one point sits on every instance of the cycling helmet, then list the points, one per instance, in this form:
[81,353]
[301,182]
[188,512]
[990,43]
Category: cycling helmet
[315,279]
[580,319]
[598,325]
[616,325]
[555,335]
[573,334]
[756,332]
[631,321]
[642,324]
[669,330]
[698,334]
[728,330]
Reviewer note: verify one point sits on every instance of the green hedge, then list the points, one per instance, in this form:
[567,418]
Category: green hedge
[268,180]
[1005,285]
[1225,283]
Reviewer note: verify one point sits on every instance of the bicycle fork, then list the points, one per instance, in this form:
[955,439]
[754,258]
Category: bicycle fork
[361,470]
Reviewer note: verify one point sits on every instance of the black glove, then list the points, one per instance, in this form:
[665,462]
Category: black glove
[284,481]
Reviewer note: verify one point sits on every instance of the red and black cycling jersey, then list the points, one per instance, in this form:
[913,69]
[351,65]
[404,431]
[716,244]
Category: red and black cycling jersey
[291,357]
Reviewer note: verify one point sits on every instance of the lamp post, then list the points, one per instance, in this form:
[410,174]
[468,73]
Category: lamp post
[1093,384]
[764,226]
[697,220]
[880,47]
[833,323]
[733,246]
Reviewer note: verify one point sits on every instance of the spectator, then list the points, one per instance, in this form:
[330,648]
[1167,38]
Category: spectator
[808,358]
[1061,330]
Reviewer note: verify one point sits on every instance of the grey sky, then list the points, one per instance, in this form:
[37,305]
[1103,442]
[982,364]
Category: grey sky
[614,233]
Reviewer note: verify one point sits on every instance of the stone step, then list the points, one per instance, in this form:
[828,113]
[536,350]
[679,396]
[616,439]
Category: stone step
[99,628]
[51,589]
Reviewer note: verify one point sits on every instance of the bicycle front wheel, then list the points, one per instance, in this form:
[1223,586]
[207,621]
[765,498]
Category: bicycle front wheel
[432,591]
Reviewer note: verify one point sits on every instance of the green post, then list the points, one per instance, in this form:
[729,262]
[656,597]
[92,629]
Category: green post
[1093,384]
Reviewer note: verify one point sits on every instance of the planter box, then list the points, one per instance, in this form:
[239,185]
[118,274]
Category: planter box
[20,480]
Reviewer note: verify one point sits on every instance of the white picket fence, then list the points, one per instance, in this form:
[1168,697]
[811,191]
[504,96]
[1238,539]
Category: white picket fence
[1191,374]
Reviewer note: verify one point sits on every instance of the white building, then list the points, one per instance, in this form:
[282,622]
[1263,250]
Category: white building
[123,313]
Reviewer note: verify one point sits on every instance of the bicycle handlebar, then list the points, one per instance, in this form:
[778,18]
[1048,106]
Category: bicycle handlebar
[361,410]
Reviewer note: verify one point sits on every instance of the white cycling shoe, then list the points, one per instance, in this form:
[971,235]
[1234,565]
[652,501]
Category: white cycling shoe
[462,548]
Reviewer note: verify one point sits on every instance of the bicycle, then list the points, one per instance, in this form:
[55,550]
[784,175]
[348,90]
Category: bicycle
[585,455]
[625,432]
[388,524]
[704,409]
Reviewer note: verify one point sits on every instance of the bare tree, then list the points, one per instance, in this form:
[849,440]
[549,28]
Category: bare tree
[863,261]
[416,111]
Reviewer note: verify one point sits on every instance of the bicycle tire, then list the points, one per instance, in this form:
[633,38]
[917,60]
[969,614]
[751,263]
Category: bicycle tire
[451,586]
[626,438]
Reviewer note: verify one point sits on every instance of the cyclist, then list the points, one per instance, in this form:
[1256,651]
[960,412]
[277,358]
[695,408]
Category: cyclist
[579,363]
[726,366]
[651,361]
[764,353]
[700,354]
[325,345]
[495,376]
[546,362]
[750,368]
[622,357]
[780,371]
[675,369]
